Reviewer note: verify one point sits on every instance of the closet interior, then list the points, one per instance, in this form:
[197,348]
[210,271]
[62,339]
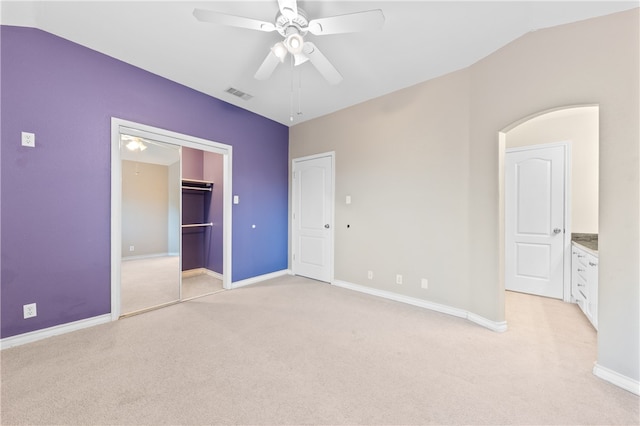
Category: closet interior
[201,222]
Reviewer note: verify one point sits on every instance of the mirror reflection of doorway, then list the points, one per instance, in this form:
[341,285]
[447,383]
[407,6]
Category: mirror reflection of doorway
[171,224]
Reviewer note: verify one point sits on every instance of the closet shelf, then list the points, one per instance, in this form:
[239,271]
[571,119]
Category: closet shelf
[195,225]
[197,185]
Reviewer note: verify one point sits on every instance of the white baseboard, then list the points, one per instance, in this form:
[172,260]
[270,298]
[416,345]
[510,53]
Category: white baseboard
[44,333]
[56,330]
[214,274]
[617,379]
[259,278]
[147,256]
[201,271]
[456,312]
[497,326]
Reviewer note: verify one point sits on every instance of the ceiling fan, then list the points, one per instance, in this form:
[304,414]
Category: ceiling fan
[292,24]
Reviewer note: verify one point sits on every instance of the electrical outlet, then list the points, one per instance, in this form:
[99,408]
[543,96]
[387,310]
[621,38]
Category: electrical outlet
[28,139]
[398,279]
[370,275]
[29,310]
[131,248]
[424,283]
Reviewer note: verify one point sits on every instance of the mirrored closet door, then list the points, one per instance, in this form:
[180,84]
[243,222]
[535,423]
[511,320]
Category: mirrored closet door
[151,224]
[172,223]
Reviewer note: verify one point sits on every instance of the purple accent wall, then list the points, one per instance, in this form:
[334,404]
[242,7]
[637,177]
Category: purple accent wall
[192,163]
[55,223]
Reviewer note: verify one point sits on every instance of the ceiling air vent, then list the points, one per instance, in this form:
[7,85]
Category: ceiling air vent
[239,93]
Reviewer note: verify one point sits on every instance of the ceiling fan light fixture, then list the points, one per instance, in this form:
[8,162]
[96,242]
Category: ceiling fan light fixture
[136,144]
[280,50]
[294,43]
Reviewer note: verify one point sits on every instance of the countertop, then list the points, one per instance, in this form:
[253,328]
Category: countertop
[587,241]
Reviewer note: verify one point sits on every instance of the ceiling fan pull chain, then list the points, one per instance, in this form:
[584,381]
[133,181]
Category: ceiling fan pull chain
[300,91]
[291,93]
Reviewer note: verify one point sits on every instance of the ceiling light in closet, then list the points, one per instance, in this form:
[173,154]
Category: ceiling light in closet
[133,143]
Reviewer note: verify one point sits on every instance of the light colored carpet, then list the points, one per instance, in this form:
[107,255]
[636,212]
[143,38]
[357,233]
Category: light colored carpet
[149,282]
[295,351]
[199,285]
[154,281]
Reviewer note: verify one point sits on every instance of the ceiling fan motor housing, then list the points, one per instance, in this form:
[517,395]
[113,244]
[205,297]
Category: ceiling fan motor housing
[299,24]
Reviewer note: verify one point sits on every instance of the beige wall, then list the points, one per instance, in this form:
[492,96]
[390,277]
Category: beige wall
[145,210]
[422,168]
[590,62]
[403,160]
[580,127]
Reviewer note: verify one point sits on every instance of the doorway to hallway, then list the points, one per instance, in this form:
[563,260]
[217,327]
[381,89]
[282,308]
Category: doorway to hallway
[578,128]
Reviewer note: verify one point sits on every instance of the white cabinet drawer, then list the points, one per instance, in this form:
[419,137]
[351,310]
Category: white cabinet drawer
[584,282]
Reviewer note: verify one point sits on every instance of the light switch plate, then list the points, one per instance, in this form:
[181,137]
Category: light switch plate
[236,199]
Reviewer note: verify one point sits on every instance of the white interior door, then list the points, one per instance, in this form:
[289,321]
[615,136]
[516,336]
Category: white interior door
[534,221]
[312,217]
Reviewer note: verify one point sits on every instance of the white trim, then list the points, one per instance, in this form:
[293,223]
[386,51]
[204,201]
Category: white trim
[33,336]
[162,135]
[116,219]
[456,312]
[260,278]
[201,271]
[624,382]
[149,256]
[497,326]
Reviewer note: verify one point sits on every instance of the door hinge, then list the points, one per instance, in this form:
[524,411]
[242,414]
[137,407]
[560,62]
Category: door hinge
[294,256]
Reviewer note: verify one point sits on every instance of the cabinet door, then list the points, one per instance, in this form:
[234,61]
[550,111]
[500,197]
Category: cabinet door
[592,281]
[574,274]
[579,277]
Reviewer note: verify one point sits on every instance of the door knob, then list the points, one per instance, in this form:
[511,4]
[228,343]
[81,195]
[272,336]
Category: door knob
[326,226]
[557,230]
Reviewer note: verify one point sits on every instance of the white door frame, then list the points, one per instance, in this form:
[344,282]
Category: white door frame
[566,276]
[332,155]
[162,135]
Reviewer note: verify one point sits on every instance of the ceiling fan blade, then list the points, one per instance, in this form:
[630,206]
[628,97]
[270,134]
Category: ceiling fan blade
[232,20]
[322,64]
[268,66]
[350,23]
[288,8]
[300,58]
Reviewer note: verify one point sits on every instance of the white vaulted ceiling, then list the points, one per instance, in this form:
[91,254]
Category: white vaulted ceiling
[420,40]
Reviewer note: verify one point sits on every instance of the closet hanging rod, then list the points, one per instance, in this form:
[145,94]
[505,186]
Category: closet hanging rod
[196,188]
[194,225]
